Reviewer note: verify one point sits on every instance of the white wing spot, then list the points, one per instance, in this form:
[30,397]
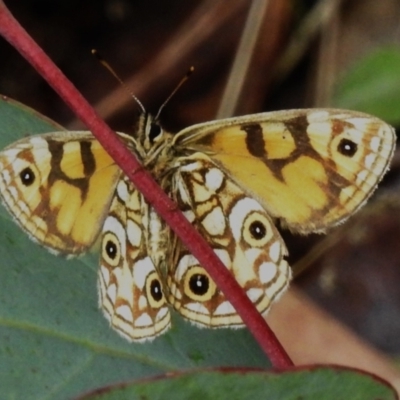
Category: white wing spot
[190,215]
[141,269]
[134,233]
[197,308]
[225,308]
[214,179]
[361,124]
[275,251]
[361,177]
[254,294]
[162,313]
[38,141]
[267,272]
[317,116]
[112,293]
[375,143]
[181,189]
[6,175]
[184,263]
[193,166]
[105,274]
[12,153]
[13,192]
[144,320]
[122,191]
[223,255]
[214,222]
[369,160]
[125,312]
[23,207]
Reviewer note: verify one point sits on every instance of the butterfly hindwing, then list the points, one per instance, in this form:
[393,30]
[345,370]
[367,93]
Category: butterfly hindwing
[58,187]
[241,234]
[310,168]
[130,289]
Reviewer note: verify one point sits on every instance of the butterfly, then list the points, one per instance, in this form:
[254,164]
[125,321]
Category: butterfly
[232,178]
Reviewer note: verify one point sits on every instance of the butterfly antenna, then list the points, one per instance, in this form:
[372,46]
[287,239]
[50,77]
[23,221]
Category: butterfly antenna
[106,65]
[177,87]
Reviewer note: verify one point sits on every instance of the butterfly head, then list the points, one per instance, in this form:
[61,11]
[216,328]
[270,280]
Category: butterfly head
[149,131]
[152,136]
[152,141]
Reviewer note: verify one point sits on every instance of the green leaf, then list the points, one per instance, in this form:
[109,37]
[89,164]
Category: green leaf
[320,383]
[54,341]
[372,85]
[18,121]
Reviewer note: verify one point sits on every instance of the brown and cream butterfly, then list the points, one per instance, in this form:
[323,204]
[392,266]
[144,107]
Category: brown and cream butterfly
[310,169]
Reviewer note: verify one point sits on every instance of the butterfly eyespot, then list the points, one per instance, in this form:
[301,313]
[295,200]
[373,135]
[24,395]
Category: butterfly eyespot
[111,249]
[198,284]
[256,230]
[154,290]
[27,176]
[347,147]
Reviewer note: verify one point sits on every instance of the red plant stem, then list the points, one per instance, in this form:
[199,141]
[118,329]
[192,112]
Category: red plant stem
[12,31]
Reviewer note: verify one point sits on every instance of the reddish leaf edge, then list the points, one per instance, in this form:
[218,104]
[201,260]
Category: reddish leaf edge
[239,372]
[16,35]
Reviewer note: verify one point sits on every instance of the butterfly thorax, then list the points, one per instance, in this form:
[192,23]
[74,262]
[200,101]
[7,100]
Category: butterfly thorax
[154,147]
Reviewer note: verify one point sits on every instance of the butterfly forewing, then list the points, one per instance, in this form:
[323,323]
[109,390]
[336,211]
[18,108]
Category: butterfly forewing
[310,168]
[52,184]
